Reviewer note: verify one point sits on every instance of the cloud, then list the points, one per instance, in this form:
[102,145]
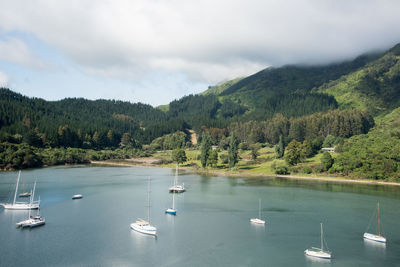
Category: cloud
[206,40]
[16,51]
[3,80]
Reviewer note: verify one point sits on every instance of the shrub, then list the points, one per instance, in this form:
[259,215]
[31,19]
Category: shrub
[306,170]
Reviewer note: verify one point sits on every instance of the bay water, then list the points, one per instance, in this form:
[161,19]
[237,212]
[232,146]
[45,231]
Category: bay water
[212,226]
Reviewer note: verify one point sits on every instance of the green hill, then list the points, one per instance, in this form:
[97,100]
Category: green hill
[374,87]
[221,87]
[78,122]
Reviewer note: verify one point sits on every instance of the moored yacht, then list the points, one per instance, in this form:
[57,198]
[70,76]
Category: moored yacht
[177,188]
[258,220]
[143,226]
[319,252]
[32,221]
[376,237]
[22,205]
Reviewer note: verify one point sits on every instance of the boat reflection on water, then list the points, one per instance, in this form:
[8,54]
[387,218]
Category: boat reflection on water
[373,247]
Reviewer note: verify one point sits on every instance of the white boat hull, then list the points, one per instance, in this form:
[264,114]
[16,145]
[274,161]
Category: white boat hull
[79,196]
[377,238]
[36,223]
[257,221]
[21,206]
[32,222]
[318,253]
[177,189]
[24,223]
[171,211]
[144,229]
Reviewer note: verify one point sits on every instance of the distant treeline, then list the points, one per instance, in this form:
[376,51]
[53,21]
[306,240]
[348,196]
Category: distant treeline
[80,123]
[338,123]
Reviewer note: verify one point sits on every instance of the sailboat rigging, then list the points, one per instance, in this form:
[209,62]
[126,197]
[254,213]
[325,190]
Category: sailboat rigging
[319,252]
[258,220]
[172,210]
[143,226]
[22,205]
[376,237]
[177,188]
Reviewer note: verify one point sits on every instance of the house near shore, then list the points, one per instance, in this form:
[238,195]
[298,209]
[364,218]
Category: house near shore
[328,149]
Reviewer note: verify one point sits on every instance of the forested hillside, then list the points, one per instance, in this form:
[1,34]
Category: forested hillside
[374,87]
[77,122]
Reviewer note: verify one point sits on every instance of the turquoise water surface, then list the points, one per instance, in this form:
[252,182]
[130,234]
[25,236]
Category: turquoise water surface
[212,227]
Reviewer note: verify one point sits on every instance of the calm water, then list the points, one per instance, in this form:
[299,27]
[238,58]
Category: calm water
[212,227]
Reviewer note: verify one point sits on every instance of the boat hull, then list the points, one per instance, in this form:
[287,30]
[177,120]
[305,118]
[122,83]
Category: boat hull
[18,206]
[376,238]
[77,196]
[37,223]
[146,229]
[24,223]
[257,221]
[318,254]
[177,189]
[171,211]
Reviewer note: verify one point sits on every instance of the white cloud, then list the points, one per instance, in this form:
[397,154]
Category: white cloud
[207,40]
[16,51]
[3,80]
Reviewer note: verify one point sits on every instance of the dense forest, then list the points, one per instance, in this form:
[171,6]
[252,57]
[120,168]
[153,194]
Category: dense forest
[82,123]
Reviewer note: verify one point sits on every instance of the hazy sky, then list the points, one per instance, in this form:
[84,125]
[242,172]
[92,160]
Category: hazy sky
[154,51]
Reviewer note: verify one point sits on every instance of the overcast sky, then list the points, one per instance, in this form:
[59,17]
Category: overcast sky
[154,51]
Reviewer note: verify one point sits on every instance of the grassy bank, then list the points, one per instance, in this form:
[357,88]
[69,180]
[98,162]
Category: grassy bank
[246,167]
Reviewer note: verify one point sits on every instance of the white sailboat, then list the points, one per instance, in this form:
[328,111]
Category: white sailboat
[22,205]
[177,188]
[258,220]
[319,252]
[378,237]
[172,210]
[143,226]
[32,221]
[37,220]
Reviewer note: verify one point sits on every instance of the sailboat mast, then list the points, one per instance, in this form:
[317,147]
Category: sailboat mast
[259,208]
[33,193]
[173,200]
[148,200]
[176,175]
[322,237]
[16,188]
[379,222]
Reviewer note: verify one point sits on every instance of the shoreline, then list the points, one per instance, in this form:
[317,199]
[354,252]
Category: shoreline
[146,163]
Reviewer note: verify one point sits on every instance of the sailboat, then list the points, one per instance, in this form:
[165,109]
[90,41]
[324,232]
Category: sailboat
[25,194]
[22,205]
[319,252]
[143,226]
[258,220]
[37,220]
[32,221]
[378,237]
[177,188]
[172,210]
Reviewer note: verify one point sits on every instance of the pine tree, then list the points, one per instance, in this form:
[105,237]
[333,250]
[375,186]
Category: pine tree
[280,148]
[205,149]
[212,158]
[233,148]
[179,156]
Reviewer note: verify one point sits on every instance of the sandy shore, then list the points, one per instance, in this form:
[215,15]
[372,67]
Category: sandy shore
[150,161]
